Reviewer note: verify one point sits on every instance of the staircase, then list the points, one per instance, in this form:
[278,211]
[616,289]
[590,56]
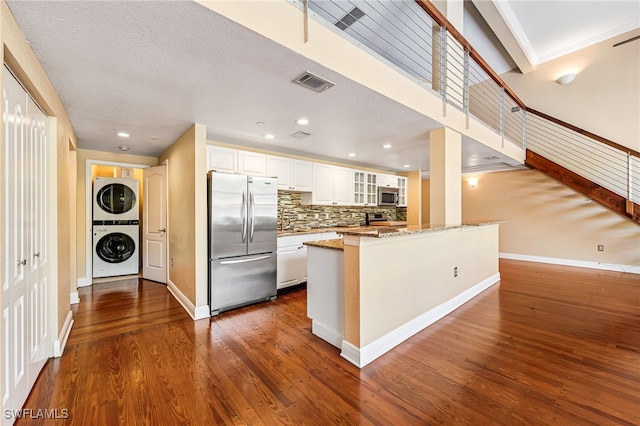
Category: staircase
[427,48]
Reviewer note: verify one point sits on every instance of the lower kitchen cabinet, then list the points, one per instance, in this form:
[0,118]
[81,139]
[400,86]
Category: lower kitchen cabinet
[292,257]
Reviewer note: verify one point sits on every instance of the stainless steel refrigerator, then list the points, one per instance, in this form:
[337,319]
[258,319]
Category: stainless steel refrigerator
[242,240]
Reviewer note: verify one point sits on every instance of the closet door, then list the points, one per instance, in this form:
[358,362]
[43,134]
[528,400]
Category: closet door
[25,279]
[14,286]
[37,256]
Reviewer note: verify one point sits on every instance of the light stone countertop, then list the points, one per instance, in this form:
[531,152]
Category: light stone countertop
[394,231]
[335,244]
[307,231]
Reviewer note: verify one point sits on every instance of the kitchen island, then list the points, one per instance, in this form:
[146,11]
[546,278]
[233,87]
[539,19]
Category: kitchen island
[325,289]
[396,281]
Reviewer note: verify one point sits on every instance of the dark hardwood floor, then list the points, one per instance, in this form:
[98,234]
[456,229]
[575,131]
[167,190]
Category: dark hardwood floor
[549,345]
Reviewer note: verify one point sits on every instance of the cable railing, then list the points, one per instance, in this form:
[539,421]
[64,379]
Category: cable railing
[413,37]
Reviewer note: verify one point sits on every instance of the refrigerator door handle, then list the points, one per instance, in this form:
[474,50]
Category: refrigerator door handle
[244,216]
[252,217]
[254,259]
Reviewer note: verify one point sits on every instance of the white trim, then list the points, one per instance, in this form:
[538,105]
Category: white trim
[195,312]
[589,42]
[84,281]
[630,269]
[61,342]
[327,334]
[363,356]
[74,298]
[351,353]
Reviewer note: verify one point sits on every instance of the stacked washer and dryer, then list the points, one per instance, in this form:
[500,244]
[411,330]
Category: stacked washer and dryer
[115,227]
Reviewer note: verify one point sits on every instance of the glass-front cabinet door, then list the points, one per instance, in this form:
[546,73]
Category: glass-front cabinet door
[358,188]
[402,192]
[372,189]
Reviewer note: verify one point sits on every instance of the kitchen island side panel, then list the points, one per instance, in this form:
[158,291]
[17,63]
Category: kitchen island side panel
[404,277]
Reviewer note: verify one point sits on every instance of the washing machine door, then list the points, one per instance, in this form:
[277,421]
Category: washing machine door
[116,198]
[115,247]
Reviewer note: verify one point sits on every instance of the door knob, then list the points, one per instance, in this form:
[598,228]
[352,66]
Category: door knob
[36,254]
[22,262]
[162,230]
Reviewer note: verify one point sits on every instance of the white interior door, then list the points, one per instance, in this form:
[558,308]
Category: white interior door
[25,278]
[154,224]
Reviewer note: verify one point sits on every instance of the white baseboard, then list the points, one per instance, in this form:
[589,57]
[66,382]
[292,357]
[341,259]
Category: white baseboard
[327,334]
[74,298]
[83,282]
[570,262]
[363,356]
[195,312]
[61,342]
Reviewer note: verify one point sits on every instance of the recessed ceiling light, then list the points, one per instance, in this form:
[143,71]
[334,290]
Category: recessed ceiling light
[153,138]
[303,121]
[406,166]
[269,136]
[351,154]
[386,146]
[260,123]
[123,134]
[123,148]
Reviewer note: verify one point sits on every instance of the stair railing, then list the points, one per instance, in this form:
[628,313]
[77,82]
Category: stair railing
[429,50]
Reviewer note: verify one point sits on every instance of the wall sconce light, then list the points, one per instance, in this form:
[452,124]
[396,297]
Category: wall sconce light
[473,181]
[566,79]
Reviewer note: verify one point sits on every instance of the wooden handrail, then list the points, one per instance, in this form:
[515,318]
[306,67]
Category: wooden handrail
[441,20]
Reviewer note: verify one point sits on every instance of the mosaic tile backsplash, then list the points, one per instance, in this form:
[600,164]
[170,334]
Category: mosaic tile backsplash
[293,215]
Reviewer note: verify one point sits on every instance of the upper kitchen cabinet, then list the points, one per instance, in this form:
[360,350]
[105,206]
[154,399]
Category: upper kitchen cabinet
[332,185]
[402,191]
[388,181]
[236,161]
[365,188]
[292,175]
[252,163]
[222,159]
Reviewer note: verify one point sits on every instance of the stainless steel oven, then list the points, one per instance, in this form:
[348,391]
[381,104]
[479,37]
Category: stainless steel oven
[388,196]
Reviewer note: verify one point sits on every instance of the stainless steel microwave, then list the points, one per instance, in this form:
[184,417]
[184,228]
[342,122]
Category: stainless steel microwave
[388,196]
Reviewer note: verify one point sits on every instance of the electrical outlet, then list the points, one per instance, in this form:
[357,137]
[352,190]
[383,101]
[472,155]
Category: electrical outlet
[326,215]
[300,216]
[315,215]
[455,271]
[600,247]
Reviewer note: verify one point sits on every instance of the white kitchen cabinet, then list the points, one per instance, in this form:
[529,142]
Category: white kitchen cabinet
[252,163]
[222,159]
[388,181]
[332,185]
[292,265]
[402,191]
[359,188]
[365,188]
[292,174]
[292,257]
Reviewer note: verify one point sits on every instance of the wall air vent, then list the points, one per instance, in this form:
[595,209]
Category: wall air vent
[313,82]
[347,20]
[300,135]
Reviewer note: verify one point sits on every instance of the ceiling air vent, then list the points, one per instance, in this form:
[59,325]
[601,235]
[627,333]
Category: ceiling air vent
[347,20]
[313,82]
[300,135]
